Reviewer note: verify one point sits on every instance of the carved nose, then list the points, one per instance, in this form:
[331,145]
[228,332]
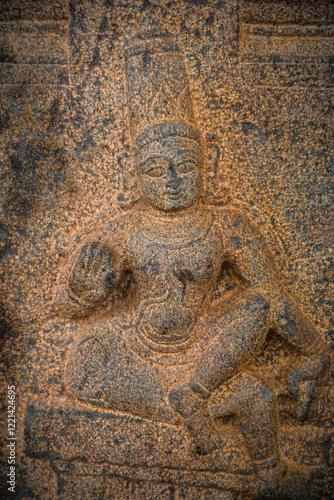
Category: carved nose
[173,181]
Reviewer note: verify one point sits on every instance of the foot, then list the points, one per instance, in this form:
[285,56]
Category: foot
[286,482]
[194,411]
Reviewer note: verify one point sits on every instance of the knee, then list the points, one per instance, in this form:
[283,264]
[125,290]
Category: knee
[257,303]
[83,371]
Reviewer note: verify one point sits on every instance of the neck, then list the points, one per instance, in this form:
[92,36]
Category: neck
[174,214]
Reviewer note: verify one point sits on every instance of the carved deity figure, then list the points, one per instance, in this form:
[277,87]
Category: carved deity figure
[160,335]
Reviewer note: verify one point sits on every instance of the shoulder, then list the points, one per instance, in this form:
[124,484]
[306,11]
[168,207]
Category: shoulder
[235,222]
[120,224]
[112,231]
[240,233]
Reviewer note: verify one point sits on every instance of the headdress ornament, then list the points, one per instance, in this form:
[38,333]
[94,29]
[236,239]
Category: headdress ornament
[158,92]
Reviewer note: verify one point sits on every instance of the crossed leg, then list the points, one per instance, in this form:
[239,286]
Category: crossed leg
[245,331]
[254,404]
[243,394]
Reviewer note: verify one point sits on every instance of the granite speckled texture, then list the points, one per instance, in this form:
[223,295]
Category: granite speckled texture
[166,248]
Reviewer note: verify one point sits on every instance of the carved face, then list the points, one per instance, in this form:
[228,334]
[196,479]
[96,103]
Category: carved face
[169,173]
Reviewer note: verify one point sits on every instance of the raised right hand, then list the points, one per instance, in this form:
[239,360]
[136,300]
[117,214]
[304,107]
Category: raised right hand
[94,275]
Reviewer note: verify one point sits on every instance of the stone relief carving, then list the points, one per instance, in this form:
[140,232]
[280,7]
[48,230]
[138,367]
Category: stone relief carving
[176,298]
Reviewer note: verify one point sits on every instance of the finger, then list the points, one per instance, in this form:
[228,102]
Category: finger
[86,255]
[94,295]
[78,273]
[320,406]
[318,403]
[96,259]
[109,279]
[80,263]
[107,259]
[78,282]
[108,270]
[306,390]
[294,380]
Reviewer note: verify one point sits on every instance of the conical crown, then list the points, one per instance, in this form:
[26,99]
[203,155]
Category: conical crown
[158,93]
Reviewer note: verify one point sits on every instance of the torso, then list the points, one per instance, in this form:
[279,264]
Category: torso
[176,263]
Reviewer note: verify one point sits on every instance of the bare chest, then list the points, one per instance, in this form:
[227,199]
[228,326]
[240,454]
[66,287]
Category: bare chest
[187,256]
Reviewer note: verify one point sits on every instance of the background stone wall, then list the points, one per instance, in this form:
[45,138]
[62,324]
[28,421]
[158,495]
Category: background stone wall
[262,76]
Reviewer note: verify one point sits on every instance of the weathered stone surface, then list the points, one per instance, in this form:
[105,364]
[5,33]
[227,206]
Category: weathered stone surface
[165,248]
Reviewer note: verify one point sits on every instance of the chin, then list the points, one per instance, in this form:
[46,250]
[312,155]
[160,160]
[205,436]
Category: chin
[172,207]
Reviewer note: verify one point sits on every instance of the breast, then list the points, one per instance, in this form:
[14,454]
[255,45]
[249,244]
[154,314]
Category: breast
[195,263]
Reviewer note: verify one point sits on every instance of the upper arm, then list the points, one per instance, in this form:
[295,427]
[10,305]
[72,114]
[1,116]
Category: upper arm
[249,254]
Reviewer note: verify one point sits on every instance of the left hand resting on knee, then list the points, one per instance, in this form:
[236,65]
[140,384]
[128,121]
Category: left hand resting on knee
[307,384]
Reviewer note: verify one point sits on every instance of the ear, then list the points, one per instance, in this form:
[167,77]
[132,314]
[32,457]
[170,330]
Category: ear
[213,155]
[212,189]
[129,192]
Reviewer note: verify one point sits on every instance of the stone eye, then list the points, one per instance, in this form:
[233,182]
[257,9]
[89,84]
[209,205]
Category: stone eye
[186,167]
[154,170]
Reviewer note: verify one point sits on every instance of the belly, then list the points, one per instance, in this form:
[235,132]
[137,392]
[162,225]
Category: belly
[167,327]
[168,323]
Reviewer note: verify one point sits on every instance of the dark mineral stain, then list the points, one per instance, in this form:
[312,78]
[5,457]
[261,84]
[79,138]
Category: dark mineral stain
[4,120]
